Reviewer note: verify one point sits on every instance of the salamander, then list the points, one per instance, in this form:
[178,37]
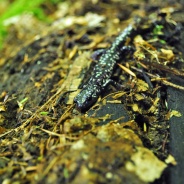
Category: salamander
[103,70]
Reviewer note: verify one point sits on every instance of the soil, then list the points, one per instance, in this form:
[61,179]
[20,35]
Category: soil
[131,135]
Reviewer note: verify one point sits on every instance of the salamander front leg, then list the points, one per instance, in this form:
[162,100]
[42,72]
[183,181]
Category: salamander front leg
[127,50]
[113,83]
[97,53]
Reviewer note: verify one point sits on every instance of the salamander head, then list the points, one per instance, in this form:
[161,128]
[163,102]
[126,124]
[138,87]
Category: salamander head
[85,99]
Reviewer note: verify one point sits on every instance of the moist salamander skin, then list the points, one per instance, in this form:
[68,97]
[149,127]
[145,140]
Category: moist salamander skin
[103,70]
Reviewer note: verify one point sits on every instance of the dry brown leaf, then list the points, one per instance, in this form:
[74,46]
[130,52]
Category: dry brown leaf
[2,107]
[146,165]
[154,107]
[170,160]
[139,97]
[175,113]
[141,86]
[168,54]
[135,108]
[2,130]
[2,119]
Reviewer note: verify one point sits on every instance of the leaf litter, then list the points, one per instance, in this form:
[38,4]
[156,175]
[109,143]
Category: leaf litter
[52,142]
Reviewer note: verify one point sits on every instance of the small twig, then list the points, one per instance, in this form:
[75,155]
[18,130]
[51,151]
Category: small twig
[165,141]
[32,117]
[161,79]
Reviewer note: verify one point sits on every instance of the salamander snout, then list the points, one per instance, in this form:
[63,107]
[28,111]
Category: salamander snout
[84,100]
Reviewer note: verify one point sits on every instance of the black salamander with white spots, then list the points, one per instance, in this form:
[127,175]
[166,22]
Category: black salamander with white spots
[103,70]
